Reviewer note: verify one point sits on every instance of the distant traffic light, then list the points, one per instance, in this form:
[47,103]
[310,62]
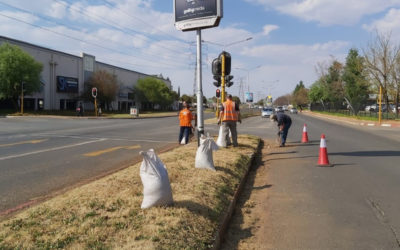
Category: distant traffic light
[218,93]
[94,92]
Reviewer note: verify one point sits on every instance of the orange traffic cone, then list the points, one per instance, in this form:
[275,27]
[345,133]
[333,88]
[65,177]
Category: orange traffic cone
[323,154]
[304,139]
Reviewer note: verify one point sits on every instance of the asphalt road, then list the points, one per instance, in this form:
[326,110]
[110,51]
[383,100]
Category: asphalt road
[353,205]
[41,155]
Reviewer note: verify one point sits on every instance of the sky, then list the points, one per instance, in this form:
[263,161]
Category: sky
[288,38]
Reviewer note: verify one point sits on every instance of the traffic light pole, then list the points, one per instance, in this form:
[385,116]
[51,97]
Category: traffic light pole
[200,122]
[223,78]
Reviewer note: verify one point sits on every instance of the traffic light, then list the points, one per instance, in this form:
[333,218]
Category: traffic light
[218,81]
[94,92]
[228,80]
[218,93]
[216,67]
[227,61]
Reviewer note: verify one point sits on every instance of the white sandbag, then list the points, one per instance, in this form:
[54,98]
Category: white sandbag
[204,157]
[183,141]
[156,187]
[228,138]
[221,141]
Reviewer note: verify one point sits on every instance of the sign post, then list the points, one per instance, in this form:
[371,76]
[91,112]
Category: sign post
[197,15]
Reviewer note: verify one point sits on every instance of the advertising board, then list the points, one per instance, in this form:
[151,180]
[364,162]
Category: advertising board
[194,14]
[67,84]
[249,97]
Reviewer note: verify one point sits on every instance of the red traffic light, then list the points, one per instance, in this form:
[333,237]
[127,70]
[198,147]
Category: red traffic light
[218,93]
[94,92]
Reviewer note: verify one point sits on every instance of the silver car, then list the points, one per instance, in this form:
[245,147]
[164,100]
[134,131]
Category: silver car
[267,112]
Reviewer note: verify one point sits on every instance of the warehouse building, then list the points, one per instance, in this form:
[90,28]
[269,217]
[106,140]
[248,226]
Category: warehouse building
[64,75]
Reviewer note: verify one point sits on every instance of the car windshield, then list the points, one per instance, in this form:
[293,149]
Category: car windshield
[267,109]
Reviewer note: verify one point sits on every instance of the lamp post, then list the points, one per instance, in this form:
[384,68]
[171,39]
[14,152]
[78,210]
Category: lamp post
[248,75]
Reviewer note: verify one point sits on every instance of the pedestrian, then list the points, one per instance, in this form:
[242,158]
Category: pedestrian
[185,123]
[79,110]
[229,115]
[284,123]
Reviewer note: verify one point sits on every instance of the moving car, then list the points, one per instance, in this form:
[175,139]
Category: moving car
[267,112]
[293,111]
[279,109]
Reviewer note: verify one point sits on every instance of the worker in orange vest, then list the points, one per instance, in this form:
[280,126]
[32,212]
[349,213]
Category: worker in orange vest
[230,115]
[185,123]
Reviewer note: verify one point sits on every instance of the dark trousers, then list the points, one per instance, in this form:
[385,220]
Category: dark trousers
[184,131]
[284,133]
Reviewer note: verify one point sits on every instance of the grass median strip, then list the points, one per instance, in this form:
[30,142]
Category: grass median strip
[106,213]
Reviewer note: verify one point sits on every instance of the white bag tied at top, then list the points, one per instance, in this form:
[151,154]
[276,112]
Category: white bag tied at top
[204,157]
[221,141]
[156,187]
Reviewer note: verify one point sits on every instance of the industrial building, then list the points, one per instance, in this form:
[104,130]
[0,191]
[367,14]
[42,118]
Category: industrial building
[64,75]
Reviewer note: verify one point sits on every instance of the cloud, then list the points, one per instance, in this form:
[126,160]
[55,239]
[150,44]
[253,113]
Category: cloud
[390,23]
[269,28]
[328,12]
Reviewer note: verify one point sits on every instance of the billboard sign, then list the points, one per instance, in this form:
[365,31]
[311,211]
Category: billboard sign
[249,97]
[67,84]
[195,14]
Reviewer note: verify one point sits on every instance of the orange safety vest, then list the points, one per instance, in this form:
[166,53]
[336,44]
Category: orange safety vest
[185,118]
[230,113]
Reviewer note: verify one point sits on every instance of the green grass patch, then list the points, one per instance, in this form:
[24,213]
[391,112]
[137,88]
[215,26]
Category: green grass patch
[106,214]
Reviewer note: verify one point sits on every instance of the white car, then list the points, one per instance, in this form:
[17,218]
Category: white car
[267,112]
[293,111]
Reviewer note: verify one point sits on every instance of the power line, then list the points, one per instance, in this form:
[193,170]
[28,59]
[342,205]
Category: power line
[144,22]
[114,25]
[77,39]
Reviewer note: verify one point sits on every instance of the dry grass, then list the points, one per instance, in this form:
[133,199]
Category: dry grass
[106,214]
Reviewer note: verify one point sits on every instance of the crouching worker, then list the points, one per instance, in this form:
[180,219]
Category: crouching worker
[284,123]
[185,123]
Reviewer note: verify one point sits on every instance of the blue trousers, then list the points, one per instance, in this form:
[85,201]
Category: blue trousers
[284,133]
[184,131]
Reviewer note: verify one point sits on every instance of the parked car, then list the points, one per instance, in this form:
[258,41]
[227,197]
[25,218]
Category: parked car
[293,111]
[394,109]
[267,112]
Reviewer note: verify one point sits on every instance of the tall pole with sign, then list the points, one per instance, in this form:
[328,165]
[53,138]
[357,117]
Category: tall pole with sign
[196,15]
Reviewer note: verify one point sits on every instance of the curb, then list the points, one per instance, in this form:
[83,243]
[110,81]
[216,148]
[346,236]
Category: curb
[219,237]
[355,122]
[85,117]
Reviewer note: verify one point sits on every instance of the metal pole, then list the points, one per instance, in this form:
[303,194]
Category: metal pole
[22,98]
[223,78]
[200,122]
[380,104]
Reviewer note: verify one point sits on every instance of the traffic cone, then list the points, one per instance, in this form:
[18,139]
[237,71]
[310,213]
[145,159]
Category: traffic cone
[323,154]
[304,139]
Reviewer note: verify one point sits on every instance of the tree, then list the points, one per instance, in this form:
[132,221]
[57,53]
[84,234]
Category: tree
[107,87]
[18,70]
[154,91]
[187,98]
[380,60]
[318,93]
[355,82]
[300,95]
[236,99]
[282,100]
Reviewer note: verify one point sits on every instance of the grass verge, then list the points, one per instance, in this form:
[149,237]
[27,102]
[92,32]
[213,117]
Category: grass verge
[106,214]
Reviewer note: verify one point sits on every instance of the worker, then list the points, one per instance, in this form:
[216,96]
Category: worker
[284,123]
[229,115]
[185,123]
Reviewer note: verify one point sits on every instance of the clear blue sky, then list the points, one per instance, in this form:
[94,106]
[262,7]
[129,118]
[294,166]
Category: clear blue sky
[289,38]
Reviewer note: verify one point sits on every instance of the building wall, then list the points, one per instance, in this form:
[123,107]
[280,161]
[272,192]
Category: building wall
[57,63]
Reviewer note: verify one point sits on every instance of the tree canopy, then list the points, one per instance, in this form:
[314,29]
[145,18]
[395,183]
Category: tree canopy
[16,68]
[154,91]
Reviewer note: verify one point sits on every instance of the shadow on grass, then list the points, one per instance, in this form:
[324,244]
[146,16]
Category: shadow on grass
[228,171]
[194,208]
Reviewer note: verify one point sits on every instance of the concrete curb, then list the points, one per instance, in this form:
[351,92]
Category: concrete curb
[228,215]
[390,124]
[85,117]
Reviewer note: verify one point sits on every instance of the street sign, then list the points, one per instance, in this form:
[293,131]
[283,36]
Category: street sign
[196,14]
[134,111]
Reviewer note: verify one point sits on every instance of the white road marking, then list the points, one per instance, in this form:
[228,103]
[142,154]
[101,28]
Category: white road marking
[48,150]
